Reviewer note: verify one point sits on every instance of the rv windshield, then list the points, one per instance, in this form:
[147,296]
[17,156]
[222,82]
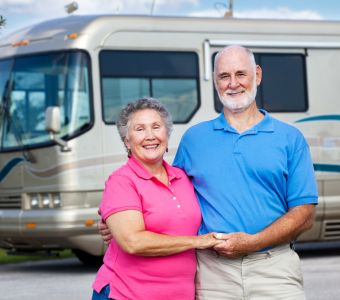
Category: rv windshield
[30,84]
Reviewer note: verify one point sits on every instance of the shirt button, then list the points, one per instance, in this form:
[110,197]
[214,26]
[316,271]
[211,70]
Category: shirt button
[174,198]
[178,206]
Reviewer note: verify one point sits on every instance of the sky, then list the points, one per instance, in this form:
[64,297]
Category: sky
[21,13]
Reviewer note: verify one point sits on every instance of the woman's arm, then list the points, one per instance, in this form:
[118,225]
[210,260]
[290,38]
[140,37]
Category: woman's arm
[128,230]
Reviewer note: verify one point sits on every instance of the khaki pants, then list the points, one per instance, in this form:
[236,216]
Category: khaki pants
[269,275]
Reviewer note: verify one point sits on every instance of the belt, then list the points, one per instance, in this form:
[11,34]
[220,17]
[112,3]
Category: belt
[261,254]
[269,252]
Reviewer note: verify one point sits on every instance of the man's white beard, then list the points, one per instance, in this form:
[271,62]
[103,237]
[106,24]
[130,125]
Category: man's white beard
[240,104]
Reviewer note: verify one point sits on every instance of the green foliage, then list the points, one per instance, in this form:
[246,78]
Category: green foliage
[2,21]
[8,259]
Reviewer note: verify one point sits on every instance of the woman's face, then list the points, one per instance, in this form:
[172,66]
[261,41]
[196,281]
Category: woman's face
[147,136]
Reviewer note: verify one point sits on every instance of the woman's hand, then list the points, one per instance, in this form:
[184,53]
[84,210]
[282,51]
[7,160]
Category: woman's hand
[208,240]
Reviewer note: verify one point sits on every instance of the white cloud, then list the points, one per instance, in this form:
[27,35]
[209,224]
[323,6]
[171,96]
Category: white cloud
[206,13]
[133,6]
[56,8]
[280,13]
[51,9]
[19,13]
[5,3]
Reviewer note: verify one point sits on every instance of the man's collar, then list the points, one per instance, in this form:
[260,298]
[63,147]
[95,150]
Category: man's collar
[265,125]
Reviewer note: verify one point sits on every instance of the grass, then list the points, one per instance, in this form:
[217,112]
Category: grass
[9,259]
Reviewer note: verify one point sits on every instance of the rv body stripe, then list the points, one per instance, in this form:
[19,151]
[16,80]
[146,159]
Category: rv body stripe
[319,118]
[109,159]
[84,163]
[327,168]
[9,166]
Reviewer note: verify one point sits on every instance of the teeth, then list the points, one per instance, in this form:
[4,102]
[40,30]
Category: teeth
[151,146]
[234,93]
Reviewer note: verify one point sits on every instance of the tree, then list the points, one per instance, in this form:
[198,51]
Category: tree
[2,21]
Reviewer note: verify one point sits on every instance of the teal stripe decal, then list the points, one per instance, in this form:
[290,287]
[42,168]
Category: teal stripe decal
[9,166]
[327,168]
[319,118]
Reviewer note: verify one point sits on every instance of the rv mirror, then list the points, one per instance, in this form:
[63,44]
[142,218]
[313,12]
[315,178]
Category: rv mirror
[52,125]
[52,119]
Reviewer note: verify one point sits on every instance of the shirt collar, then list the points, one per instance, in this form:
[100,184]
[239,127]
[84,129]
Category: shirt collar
[141,172]
[221,123]
[265,125]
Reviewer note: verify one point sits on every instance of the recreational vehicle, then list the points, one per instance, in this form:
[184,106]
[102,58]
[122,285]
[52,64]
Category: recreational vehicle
[64,81]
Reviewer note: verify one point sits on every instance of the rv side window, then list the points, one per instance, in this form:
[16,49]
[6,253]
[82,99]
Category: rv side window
[171,77]
[283,87]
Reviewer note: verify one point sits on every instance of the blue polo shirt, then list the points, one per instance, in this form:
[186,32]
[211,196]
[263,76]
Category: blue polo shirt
[244,182]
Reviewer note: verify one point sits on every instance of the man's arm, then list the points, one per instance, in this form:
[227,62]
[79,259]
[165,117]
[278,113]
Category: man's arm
[284,230]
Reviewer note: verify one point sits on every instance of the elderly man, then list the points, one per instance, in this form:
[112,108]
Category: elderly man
[255,182]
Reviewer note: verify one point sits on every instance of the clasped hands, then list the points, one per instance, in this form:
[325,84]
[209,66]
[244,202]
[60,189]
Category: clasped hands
[236,244]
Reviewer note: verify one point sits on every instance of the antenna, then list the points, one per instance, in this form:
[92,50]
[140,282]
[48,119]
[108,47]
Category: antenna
[225,9]
[152,7]
[229,12]
[72,7]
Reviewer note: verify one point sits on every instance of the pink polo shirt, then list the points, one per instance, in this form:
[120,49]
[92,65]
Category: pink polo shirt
[171,210]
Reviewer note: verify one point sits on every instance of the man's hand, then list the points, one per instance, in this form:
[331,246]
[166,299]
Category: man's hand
[104,232]
[236,244]
[282,231]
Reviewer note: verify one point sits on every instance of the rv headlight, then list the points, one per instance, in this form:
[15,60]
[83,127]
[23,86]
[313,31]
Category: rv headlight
[46,201]
[34,203]
[56,200]
[43,200]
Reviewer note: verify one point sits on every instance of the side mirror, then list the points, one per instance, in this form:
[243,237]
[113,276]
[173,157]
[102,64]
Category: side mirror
[52,119]
[52,125]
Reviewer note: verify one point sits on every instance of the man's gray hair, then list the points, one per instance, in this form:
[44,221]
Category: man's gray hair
[248,51]
[138,105]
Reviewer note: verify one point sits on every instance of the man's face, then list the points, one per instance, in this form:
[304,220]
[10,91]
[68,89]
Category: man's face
[236,80]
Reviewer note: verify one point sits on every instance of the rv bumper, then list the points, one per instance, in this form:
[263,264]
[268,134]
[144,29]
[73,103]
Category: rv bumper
[51,229]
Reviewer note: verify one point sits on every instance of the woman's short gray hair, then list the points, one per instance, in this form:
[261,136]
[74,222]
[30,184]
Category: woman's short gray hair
[141,104]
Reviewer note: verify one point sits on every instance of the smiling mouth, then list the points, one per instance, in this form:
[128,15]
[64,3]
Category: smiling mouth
[150,147]
[234,93]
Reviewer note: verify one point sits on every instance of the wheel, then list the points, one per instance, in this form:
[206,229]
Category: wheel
[88,259]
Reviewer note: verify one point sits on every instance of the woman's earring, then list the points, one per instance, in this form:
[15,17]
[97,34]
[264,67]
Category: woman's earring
[129,152]
[167,149]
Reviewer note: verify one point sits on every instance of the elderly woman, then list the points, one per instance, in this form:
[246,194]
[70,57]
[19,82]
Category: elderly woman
[152,213]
